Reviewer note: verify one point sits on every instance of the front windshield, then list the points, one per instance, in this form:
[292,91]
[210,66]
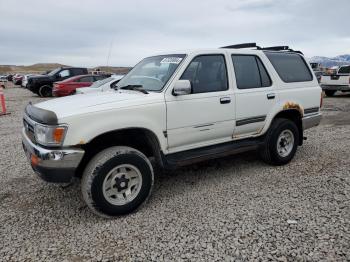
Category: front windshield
[53,72]
[102,82]
[152,73]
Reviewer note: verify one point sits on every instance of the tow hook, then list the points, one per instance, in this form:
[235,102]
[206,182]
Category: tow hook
[304,138]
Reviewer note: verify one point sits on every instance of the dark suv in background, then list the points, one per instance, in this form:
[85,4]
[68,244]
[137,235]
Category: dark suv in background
[42,84]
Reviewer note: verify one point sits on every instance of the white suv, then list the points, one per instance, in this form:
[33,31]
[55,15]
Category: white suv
[172,110]
[103,85]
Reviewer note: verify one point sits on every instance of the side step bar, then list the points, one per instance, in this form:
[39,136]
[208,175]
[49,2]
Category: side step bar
[188,157]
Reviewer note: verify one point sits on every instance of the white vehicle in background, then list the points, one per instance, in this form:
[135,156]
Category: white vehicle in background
[3,78]
[337,82]
[25,80]
[101,85]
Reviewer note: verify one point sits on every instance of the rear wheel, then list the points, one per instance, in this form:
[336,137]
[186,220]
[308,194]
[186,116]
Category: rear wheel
[281,142]
[117,181]
[45,91]
[330,93]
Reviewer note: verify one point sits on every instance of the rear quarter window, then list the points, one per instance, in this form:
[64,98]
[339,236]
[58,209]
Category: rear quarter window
[290,67]
[344,70]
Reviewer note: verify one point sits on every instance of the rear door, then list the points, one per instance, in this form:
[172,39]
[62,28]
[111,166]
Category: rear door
[255,94]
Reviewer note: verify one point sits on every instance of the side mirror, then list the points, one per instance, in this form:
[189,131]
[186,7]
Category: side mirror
[182,87]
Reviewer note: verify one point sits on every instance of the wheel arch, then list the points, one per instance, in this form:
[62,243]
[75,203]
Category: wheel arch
[294,115]
[139,138]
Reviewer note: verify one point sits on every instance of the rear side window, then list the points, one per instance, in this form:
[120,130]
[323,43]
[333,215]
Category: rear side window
[79,71]
[86,79]
[344,70]
[99,77]
[290,67]
[250,72]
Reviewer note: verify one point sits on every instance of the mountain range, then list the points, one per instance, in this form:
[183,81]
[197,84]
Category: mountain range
[331,61]
[43,67]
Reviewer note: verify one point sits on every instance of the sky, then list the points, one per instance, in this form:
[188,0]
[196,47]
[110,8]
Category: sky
[86,33]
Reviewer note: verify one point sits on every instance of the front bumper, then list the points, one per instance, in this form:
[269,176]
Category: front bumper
[311,120]
[52,165]
[336,87]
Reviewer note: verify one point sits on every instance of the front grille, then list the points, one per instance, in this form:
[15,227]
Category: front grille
[29,129]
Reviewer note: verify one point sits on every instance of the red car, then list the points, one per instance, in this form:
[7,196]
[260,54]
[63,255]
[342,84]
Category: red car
[68,86]
[17,79]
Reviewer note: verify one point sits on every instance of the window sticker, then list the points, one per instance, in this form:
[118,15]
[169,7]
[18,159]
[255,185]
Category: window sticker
[171,60]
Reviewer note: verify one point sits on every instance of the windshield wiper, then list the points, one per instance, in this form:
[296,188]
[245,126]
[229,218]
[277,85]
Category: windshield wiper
[133,87]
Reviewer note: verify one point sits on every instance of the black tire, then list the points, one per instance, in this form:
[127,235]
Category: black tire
[330,93]
[100,166]
[269,152]
[45,91]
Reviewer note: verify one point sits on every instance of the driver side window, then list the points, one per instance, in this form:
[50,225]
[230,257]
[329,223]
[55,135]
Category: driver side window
[207,73]
[64,73]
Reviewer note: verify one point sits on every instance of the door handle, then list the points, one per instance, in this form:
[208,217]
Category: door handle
[271,96]
[225,100]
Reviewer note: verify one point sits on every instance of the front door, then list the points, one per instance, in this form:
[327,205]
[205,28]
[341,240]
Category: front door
[206,116]
[255,95]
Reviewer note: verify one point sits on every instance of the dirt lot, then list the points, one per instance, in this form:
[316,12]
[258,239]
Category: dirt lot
[235,208]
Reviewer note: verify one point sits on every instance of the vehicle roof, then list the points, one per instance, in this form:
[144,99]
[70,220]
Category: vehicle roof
[223,50]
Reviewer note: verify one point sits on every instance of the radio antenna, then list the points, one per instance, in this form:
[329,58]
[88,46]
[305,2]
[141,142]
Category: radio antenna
[109,52]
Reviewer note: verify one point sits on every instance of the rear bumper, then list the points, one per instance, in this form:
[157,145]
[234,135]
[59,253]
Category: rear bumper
[311,120]
[52,165]
[336,87]
[59,92]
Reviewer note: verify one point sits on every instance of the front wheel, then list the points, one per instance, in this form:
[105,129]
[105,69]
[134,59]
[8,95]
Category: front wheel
[117,181]
[281,142]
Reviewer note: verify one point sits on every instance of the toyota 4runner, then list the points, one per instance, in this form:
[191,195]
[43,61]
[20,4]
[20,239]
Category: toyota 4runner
[173,110]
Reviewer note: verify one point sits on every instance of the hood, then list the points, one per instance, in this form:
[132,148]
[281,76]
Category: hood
[98,101]
[40,77]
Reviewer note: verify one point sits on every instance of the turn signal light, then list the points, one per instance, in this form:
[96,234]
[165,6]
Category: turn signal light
[34,160]
[58,134]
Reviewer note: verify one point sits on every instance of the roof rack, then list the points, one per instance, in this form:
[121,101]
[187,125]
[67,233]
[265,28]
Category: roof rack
[238,46]
[281,48]
[270,48]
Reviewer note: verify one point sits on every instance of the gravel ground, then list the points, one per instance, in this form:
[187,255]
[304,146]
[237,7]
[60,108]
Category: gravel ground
[235,208]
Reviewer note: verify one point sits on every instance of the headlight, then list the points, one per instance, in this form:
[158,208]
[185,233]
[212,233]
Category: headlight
[50,135]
